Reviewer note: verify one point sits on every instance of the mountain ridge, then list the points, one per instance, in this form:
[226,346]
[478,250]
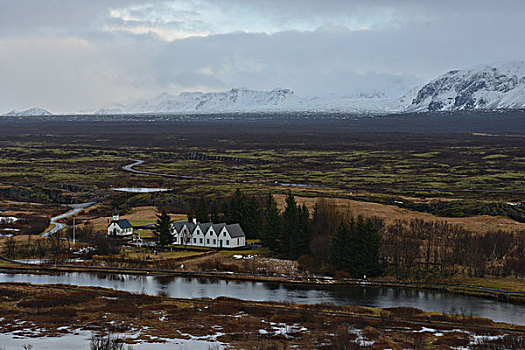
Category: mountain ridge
[485,87]
[35,111]
[488,87]
[497,86]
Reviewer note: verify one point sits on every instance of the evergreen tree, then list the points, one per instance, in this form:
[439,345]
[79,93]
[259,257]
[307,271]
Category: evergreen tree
[355,247]
[338,250]
[162,228]
[236,209]
[246,211]
[252,217]
[290,224]
[371,241]
[300,239]
[272,224]
[201,210]
[215,212]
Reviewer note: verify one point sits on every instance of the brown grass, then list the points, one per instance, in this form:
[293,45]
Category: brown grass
[141,215]
[390,213]
[239,321]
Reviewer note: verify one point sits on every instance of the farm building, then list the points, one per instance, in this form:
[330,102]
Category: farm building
[208,235]
[119,227]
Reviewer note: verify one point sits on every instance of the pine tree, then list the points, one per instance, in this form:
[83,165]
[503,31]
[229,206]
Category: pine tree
[300,239]
[338,249]
[272,224]
[215,217]
[236,208]
[290,224]
[201,210]
[246,211]
[355,247]
[372,239]
[162,228]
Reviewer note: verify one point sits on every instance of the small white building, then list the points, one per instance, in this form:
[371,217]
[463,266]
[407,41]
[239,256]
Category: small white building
[119,227]
[208,235]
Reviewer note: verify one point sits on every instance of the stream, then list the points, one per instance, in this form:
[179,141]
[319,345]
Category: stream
[185,287]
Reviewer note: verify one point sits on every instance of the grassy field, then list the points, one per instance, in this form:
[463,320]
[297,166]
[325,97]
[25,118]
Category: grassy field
[386,163]
[390,213]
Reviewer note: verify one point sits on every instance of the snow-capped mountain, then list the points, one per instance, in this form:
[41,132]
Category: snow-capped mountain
[228,101]
[28,113]
[487,87]
[245,100]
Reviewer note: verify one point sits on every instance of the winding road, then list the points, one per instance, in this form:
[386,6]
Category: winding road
[57,226]
[137,162]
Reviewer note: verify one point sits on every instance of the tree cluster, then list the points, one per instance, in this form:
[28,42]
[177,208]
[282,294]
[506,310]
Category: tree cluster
[355,247]
[329,237]
[419,248]
[239,208]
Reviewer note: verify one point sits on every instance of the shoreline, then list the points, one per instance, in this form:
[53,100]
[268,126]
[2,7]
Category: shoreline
[476,291]
[162,317]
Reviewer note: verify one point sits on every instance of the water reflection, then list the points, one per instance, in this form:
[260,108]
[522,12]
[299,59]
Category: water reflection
[187,287]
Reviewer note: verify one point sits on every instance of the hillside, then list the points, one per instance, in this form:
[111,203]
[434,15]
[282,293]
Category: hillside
[487,87]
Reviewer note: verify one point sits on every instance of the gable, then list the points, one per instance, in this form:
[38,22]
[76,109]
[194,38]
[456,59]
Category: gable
[235,231]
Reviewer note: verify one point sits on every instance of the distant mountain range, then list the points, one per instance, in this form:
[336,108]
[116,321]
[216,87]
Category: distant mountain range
[28,112]
[245,100]
[489,87]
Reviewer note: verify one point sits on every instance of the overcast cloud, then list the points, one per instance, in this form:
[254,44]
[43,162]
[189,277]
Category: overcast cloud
[71,55]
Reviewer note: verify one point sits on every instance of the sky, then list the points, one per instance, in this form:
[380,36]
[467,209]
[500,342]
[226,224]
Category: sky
[75,55]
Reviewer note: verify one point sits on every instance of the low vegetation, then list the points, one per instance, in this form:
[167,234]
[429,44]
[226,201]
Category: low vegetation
[58,310]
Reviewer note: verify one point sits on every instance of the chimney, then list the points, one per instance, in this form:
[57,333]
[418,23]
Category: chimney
[195,221]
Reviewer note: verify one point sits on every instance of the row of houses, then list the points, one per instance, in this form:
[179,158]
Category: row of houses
[190,233]
[208,235]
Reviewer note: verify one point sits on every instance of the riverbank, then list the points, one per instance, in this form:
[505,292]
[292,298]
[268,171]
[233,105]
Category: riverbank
[484,289]
[36,311]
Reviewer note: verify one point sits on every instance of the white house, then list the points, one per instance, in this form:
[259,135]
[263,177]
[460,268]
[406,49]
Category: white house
[208,235]
[119,227]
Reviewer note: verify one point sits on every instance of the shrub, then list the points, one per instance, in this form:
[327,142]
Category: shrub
[54,300]
[404,311]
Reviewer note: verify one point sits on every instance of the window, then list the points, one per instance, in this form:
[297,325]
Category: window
[200,241]
[195,240]
[227,242]
[214,241]
[208,241]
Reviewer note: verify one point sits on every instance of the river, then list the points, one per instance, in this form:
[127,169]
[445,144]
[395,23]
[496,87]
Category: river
[184,287]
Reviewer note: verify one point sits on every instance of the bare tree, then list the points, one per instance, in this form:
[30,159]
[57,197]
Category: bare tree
[107,342]
[40,248]
[56,247]
[186,237]
[10,247]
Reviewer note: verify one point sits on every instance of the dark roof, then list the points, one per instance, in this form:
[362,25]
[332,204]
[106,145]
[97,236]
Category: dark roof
[218,227]
[204,227]
[124,223]
[235,230]
[179,225]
